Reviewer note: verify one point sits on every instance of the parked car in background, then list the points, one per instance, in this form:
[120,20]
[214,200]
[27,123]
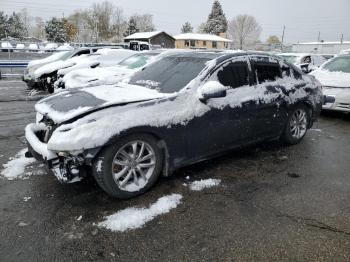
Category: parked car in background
[6,47]
[20,47]
[33,47]
[183,108]
[107,75]
[50,47]
[29,76]
[334,76]
[307,62]
[65,47]
[104,57]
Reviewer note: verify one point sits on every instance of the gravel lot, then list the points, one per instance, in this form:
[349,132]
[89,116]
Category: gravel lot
[274,203]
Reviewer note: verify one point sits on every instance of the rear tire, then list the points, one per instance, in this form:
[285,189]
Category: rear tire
[297,124]
[129,167]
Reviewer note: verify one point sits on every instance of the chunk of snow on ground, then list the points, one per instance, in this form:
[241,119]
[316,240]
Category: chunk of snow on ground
[132,218]
[316,130]
[204,183]
[25,199]
[79,218]
[188,177]
[16,166]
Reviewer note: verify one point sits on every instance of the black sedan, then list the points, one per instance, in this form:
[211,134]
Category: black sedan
[183,108]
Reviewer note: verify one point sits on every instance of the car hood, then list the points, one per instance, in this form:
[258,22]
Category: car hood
[332,79]
[67,105]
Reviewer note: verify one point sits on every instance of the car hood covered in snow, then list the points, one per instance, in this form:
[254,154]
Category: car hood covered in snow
[332,79]
[66,105]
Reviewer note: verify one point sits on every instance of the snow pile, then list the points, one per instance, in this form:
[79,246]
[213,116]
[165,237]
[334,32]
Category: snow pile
[16,166]
[204,183]
[333,79]
[132,218]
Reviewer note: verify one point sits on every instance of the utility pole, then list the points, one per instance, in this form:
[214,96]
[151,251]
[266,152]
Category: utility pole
[282,39]
[319,36]
[341,41]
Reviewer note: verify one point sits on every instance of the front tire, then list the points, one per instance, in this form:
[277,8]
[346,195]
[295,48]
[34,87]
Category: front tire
[297,124]
[129,167]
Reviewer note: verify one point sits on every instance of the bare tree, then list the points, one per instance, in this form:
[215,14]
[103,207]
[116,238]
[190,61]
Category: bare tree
[119,24]
[39,28]
[244,30]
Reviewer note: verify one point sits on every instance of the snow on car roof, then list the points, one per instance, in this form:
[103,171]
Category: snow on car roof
[203,37]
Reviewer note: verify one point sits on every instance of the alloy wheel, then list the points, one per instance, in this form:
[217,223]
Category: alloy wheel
[298,123]
[133,165]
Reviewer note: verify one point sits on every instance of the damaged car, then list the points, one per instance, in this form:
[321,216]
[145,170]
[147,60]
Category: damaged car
[184,108]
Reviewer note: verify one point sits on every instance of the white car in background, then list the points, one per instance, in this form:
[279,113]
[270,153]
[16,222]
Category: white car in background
[307,62]
[6,47]
[334,76]
[108,75]
[33,47]
[50,75]
[33,65]
[50,47]
[20,46]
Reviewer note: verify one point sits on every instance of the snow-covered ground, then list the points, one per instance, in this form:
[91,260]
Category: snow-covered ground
[204,183]
[15,168]
[132,218]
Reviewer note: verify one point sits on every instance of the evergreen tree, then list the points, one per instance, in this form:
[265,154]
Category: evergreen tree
[55,31]
[132,27]
[187,28]
[216,22]
[15,26]
[3,25]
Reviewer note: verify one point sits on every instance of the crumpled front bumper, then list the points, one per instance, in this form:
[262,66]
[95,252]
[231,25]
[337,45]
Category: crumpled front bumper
[67,168]
[34,134]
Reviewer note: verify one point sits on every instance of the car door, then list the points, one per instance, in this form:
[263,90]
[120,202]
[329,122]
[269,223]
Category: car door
[268,112]
[226,124]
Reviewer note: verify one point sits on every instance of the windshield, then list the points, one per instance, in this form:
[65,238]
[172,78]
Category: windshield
[290,58]
[136,61]
[338,64]
[66,55]
[170,74]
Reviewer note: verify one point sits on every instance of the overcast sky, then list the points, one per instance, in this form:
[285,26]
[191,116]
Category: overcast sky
[303,18]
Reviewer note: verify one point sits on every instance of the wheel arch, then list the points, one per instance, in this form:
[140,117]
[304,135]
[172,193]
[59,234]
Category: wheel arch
[161,141]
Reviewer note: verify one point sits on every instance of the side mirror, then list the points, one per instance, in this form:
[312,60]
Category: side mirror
[305,68]
[328,99]
[211,89]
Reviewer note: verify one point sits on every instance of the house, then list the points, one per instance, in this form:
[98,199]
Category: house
[201,41]
[321,47]
[158,38]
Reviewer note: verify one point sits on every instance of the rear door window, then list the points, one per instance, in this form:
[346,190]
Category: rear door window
[266,69]
[234,74]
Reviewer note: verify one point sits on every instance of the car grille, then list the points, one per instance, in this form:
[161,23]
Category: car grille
[343,105]
[50,128]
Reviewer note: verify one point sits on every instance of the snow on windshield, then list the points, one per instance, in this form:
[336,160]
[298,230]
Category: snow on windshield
[338,64]
[170,74]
